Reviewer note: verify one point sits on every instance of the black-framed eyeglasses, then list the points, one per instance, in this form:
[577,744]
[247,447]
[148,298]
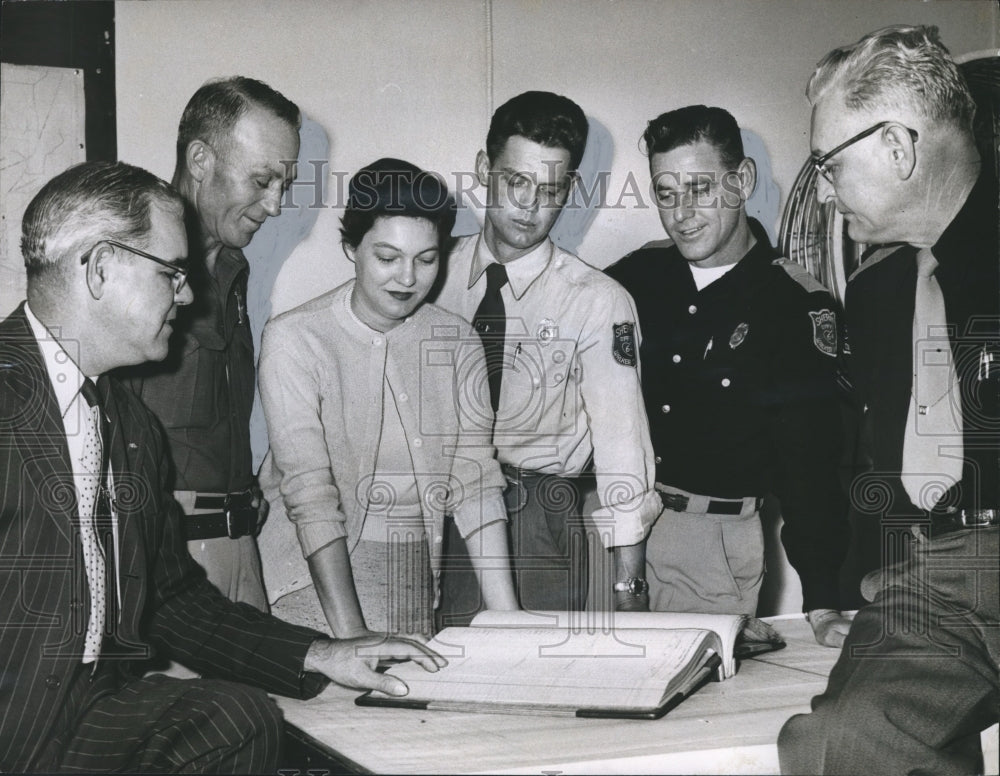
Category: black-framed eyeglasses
[820,162]
[178,278]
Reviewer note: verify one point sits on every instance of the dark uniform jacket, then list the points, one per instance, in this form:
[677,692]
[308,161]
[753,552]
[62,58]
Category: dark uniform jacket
[879,306]
[203,392]
[167,605]
[740,385]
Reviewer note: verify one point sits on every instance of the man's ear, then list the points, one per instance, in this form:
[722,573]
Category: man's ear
[483,168]
[99,267]
[348,252]
[899,145]
[747,172]
[199,158]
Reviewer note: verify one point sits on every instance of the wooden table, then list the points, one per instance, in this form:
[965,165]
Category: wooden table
[726,727]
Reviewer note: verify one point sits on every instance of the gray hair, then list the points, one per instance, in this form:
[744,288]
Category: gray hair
[898,66]
[214,109]
[85,204]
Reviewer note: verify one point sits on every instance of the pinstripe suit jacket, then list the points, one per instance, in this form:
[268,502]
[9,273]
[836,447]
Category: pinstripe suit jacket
[167,606]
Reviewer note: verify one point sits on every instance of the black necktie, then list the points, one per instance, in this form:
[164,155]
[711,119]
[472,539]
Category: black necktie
[491,323]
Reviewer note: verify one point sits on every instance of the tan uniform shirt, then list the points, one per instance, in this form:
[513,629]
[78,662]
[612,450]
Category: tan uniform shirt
[570,388]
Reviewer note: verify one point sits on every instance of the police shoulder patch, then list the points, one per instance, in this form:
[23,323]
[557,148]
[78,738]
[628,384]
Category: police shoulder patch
[824,323]
[623,346]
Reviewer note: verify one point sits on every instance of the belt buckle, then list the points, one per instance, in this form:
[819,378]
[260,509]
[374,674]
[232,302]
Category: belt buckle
[674,501]
[978,518]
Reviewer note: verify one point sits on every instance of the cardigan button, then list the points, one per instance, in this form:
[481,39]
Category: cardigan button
[418,442]
[403,397]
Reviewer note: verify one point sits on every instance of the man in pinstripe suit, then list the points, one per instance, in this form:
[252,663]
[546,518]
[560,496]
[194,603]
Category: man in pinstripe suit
[104,245]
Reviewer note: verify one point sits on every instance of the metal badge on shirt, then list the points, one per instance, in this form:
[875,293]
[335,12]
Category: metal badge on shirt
[739,334]
[623,346]
[824,324]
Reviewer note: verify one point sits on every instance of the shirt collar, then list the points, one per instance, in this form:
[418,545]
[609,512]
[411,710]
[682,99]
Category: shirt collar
[521,272]
[974,224]
[64,374]
[753,262]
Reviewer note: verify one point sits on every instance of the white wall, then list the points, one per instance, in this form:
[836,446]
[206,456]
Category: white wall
[420,79]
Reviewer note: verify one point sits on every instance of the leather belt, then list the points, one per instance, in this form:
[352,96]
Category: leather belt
[678,502]
[236,519]
[963,519]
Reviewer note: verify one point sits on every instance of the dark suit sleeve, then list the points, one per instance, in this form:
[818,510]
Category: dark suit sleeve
[807,436]
[190,621]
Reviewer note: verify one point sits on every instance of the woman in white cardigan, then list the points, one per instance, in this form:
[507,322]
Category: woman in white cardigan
[363,393]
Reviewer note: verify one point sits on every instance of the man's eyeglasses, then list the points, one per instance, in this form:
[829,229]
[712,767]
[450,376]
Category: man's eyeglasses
[524,189]
[820,162]
[178,278]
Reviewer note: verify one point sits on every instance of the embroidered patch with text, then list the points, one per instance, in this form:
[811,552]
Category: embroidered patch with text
[825,331]
[623,348]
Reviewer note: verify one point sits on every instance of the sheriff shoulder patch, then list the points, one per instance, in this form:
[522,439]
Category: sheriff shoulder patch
[623,346]
[824,324]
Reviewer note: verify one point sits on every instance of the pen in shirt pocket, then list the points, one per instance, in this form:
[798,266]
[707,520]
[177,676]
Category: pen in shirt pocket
[708,348]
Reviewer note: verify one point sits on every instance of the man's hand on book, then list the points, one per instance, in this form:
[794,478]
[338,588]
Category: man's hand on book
[829,626]
[352,662]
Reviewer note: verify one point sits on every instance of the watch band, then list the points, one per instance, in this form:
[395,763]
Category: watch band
[632,586]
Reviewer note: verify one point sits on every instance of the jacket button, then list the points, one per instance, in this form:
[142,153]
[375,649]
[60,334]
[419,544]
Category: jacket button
[403,397]
[677,358]
[725,382]
[658,459]
[692,309]
[665,409]
[418,442]
[52,682]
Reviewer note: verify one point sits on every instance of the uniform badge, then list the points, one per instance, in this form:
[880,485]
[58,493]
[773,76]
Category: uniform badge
[623,348]
[547,331]
[825,331]
[739,334]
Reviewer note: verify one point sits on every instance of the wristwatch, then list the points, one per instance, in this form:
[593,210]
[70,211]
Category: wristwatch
[632,586]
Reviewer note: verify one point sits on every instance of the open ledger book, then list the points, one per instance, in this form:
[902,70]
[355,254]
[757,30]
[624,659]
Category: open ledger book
[587,664]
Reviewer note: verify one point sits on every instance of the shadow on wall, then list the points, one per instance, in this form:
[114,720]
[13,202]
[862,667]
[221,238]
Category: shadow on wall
[269,250]
[764,204]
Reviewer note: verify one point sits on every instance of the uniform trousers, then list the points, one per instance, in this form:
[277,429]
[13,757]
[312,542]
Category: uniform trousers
[917,680]
[698,561]
[159,724]
[548,546]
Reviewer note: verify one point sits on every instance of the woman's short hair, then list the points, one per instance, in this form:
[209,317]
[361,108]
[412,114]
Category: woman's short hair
[394,187]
